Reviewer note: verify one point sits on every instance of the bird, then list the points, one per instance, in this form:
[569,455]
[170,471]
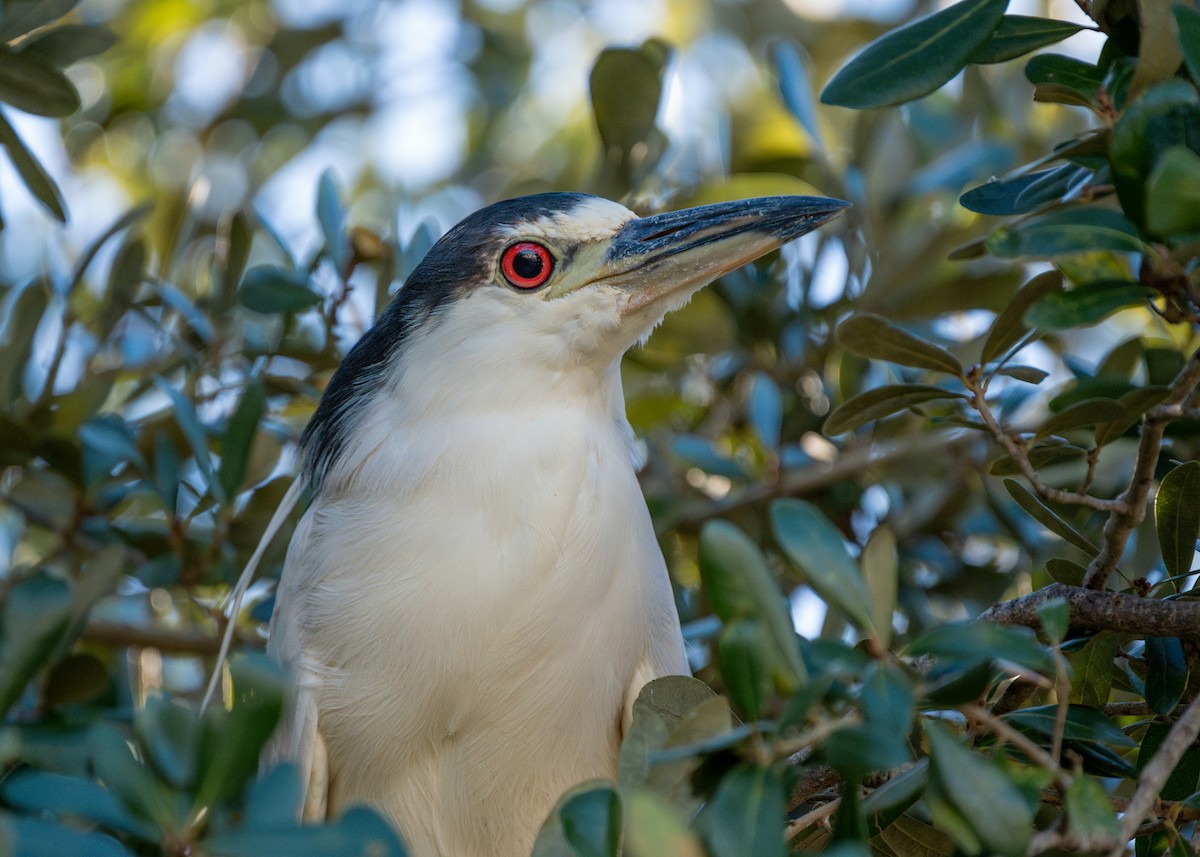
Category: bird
[475,595]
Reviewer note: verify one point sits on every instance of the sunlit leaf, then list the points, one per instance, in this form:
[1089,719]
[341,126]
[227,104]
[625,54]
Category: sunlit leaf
[881,569]
[915,59]
[652,829]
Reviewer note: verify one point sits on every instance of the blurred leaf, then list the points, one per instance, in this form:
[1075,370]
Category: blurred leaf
[653,830]
[1177,517]
[25,16]
[746,656]
[239,433]
[886,804]
[1047,517]
[988,801]
[625,86]
[238,244]
[76,678]
[360,832]
[1089,809]
[881,570]
[130,780]
[1055,618]
[35,177]
[1173,193]
[1076,229]
[740,585]
[1187,19]
[1082,724]
[73,798]
[764,407]
[591,822]
[817,548]
[1092,669]
[873,336]
[1158,54]
[231,742]
[972,641]
[125,275]
[915,59]
[29,83]
[31,837]
[1085,305]
[746,812]
[794,68]
[332,217]
[269,290]
[880,402]
[1166,673]
[17,342]
[747,186]
[36,617]
[197,438]
[1027,192]
[1039,457]
[1185,778]
[960,683]
[1017,35]
[69,43]
[276,798]
[170,732]
[108,441]
[1089,412]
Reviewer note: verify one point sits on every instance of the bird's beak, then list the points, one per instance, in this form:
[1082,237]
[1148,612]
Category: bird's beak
[661,260]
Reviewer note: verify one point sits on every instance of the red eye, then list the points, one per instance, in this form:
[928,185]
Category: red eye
[527,265]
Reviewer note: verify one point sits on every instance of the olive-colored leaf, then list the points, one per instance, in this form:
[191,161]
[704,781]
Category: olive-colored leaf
[1039,456]
[1047,517]
[1092,667]
[652,829]
[880,402]
[1066,572]
[68,43]
[239,434]
[1173,193]
[1085,305]
[817,548]
[1082,724]
[881,569]
[130,780]
[1089,809]
[1166,673]
[16,344]
[1009,328]
[36,618]
[746,657]
[870,335]
[29,83]
[1077,229]
[1066,73]
[973,641]
[35,177]
[269,290]
[1177,517]
[1159,56]
[745,813]
[1017,35]
[988,801]
[1054,616]
[915,59]
[1185,778]
[1187,19]
[1089,412]
[740,585]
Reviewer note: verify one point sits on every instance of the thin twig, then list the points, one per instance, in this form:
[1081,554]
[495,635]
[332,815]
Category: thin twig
[1009,735]
[1181,737]
[810,818]
[1103,611]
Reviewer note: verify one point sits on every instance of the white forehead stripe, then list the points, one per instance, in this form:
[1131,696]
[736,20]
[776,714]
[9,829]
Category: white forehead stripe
[592,219]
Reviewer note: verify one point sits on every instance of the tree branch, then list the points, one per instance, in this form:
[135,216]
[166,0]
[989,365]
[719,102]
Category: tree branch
[119,635]
[1104,611]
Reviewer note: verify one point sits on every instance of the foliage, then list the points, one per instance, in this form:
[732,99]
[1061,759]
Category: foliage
[910,446]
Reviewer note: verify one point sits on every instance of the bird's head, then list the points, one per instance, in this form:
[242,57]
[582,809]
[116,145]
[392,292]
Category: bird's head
[555,285]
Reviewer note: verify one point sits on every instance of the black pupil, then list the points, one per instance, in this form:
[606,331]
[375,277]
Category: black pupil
[527,264]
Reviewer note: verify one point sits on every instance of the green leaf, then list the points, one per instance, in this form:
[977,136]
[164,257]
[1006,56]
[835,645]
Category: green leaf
[1089,412]
[1092,669]
[170,732]
[1027,192]
[276,797]
[916,59]
[959,684]
[872,336]
[197,438]
[972,641]
[793,67]
[116,766]
[816,547]
[360,832]
[125,275]
[332,217]
[886,804]
[1090,810]
[1177,517]
[1086,305]
[988,801]
[22,17]
[880,402]
[1055,73]
[1187,19]
[591,822]
[29,83]
[1066,572]
[1077,229]
[35,177]
[69,43]
[1009,328]
[652,829]
[1158,52]
[30,837]
[1185,778]
[1017,35]
[764,408]
[746,813]
[238,242]
[1047,517]
[1082,724]
[230,742]
[1166,673]
[75,679]
[746,656]
[239,435]
[1173,193]
[72,797]
[16,345]
[37,615]
[1055,618]
[269,289]
[626,86]
[881,570]
[1039,456]
[740,585]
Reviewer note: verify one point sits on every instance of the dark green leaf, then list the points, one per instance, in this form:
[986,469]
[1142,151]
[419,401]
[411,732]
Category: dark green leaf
[872,336]
[1039,456]
[1055,618]
[962,683]
[880,402]
[1018,35]
[76,678]
[1089,412]
[1009,328]
[1166,673]
[29,83]
[276,798]
[855,751]
[230,743]
[17,343]
[125,275]
[1177,517]
[30,837]
[817,548]
[69,43]
[1173,193]
[1076,229]
[591,822]
[1085,305]
[1092,668]
[1027,374]
[37,614]
[170,732]
[884,805]
[987,800]
[625,86]
[1082,724]
[35,177]
[72,798]
[269,289]
[1187,18]
[740,585]
[1047,517]
[1066,572]
[238,244]
[745,813]
[130,780]
[1185,778]
[971,641]
[107,442]
[916,59]
[24,16]
[746,656]
[1090,810]
[1066,73]
[239,435]
[197,438]
[360,832]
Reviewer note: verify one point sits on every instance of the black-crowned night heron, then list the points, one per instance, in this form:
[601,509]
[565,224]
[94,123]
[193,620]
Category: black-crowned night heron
[475,596]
